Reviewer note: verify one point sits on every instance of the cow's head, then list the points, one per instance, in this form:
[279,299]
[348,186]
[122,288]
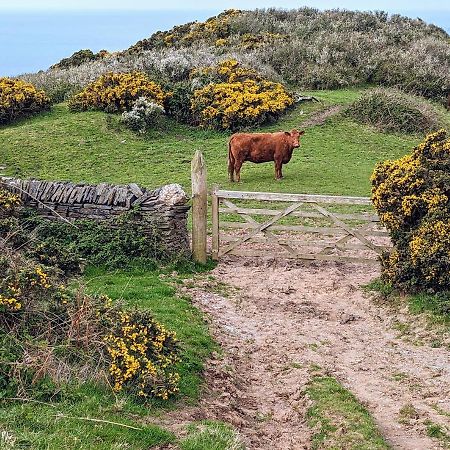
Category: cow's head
[294,137]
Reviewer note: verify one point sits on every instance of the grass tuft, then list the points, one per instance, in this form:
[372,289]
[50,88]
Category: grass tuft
[339,421]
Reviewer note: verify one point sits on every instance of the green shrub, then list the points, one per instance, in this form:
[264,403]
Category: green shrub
[114,243]
[20,99]
[116,92]
[178,103]
[411,196]
[61,91]
[395,111]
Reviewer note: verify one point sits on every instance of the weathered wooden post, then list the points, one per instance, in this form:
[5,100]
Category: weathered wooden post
[215,223]
[199,207]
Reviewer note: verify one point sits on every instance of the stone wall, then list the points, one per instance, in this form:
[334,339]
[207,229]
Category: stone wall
[164,210]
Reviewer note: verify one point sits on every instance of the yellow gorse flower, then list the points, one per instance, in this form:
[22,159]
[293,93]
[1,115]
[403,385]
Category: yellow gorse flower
[11,300]
[114,92]
[8,200]
[19,98]
[242,98]
[140,357]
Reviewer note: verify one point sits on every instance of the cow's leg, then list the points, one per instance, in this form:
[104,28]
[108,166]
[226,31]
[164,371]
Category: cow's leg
[278,174]
[231,163]
[231,170]
[237,169]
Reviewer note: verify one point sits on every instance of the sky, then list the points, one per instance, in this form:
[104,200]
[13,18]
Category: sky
[400,5]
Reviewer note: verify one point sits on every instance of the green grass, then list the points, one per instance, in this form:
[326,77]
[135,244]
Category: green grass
[211,435]
[438,432]
[436,306]
[338,419]
[42,426]
[336,158]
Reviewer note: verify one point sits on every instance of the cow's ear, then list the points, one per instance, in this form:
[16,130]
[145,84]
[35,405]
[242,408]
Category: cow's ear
[287,133]
[301,133]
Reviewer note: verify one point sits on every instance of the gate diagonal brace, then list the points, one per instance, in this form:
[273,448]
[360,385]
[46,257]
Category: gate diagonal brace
[348,229]
[261,227]
[340,244]
[270,236]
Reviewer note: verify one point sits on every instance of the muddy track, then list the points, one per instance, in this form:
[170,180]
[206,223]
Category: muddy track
[279,321]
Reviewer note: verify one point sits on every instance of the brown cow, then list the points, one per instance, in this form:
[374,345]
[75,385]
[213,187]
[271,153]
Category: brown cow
[261,147]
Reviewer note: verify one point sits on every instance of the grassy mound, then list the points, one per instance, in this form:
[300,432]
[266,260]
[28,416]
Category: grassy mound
[395,111]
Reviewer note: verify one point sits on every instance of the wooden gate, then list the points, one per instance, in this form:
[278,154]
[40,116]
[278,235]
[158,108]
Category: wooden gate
[311,227]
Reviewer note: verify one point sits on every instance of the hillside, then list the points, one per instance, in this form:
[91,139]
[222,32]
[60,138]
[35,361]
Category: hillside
[305,47]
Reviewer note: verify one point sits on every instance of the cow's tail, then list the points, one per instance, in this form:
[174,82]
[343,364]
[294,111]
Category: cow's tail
[231,162]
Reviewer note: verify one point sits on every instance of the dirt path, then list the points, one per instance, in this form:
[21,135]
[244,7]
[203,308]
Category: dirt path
[284,318]
[320,117]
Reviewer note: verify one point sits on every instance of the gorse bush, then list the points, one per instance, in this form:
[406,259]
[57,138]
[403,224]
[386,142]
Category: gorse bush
[143,115]
[116,92]
[239,98]
[393,110]
[51,335]
[143,355]
[88,338]
[411,196]
[20,99]
[217,27]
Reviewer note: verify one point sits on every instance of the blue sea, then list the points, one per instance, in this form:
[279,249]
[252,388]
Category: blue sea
[32,41]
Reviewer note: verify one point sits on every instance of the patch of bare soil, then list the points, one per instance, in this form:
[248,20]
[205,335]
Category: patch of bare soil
[281,319]
[320,117]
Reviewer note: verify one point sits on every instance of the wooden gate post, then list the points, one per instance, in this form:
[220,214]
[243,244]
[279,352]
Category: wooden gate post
[215,223]
[199,207]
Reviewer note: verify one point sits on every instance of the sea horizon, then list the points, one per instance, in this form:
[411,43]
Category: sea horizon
[34,40]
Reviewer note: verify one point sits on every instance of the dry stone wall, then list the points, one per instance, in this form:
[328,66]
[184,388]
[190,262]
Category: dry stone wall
[163,210]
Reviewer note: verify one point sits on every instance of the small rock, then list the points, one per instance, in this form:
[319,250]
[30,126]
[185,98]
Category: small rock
[346,318]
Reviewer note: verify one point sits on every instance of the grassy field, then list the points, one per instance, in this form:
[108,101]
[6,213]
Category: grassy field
[336,158]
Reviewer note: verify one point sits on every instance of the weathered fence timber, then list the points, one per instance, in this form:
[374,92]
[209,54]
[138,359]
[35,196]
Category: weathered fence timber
[343,235]
[164,210]
[199,207]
